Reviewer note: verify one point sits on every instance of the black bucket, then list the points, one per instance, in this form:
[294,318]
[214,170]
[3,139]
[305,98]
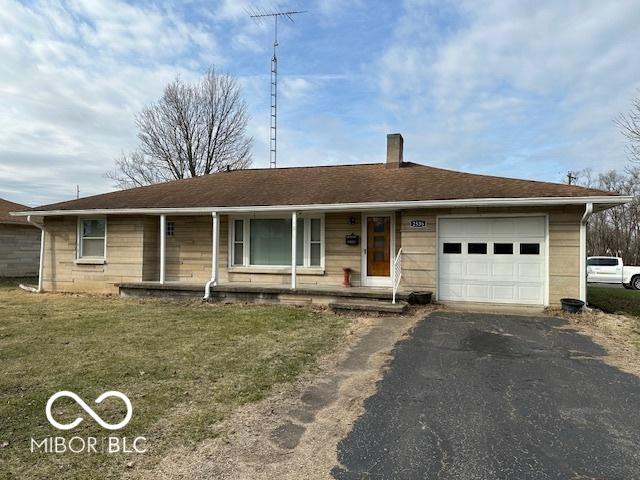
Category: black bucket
[571,305]
[420,298]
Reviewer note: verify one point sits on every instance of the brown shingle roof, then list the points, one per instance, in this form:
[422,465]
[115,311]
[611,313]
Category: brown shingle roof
[6,206]
[323,185]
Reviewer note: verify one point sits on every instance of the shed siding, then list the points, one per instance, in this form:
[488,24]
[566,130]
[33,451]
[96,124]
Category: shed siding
[19,250]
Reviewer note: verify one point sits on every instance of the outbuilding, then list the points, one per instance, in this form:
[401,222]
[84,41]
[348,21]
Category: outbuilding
[19,243]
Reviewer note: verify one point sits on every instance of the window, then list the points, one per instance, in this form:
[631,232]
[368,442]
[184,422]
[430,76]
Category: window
[171,229]
[608,262]
[267,242]
[529,249]
[238,242]
[602,262]
[270,241]
[477,249]
[92,234]
[315,242]
[503,248]
[452,248]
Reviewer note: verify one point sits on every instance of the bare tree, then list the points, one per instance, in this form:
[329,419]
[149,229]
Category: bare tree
[615,231]
[192,130]
[629,124]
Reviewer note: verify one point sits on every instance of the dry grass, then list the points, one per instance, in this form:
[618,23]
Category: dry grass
[618,334]
[186,366]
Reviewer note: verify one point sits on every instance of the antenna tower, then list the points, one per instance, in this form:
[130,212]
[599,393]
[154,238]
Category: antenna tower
[259,15]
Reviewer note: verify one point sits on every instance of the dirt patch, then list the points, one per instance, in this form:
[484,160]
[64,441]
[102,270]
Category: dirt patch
[293,434]
[618,334]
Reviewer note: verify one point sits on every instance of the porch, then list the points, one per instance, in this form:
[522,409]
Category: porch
[273,255]
[340,298]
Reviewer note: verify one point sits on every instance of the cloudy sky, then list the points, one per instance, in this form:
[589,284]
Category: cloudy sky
[525,89]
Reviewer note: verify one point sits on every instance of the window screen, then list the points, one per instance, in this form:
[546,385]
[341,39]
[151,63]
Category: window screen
[503,248]
[529,249]
[477,248]
[452,248]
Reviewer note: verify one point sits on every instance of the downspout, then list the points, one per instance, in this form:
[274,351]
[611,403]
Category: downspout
[41,266]
[588,211]
[214,257]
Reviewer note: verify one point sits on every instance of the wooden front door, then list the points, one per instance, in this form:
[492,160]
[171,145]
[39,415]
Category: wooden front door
[378,246]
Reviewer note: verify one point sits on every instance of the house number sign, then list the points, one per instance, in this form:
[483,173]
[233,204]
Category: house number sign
[418,223]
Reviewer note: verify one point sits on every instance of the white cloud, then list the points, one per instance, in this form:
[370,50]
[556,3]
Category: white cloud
[72,78]
[508,78]
[296,89]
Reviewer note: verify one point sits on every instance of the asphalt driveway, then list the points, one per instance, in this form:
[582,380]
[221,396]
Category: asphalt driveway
[474,396]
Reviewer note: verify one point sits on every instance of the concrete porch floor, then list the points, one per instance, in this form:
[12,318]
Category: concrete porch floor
[236,287]
[268,293]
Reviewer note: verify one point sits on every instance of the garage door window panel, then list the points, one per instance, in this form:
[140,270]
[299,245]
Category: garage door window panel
[452,248]
[503,248]
[529,249]
[477,248]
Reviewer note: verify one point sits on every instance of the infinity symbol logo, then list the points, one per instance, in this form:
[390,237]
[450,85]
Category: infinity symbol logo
[89,410]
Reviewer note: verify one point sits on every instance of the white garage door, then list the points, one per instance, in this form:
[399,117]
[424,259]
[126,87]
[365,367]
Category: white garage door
[497,260]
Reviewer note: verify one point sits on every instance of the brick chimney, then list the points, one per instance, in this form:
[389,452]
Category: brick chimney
[394,150]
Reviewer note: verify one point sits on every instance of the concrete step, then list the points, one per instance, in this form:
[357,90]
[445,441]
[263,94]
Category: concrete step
[368,306]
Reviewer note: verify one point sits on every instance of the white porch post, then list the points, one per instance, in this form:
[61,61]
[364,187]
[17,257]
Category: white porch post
[215,249]
[163,238]
[294,231]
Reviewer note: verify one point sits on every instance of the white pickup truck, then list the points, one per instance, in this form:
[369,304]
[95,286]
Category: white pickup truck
[612,270]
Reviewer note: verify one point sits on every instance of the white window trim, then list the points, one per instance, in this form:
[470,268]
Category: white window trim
[246,266]
[90,260]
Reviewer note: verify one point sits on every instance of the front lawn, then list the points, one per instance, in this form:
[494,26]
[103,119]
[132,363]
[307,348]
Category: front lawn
[184,366]
[615,300]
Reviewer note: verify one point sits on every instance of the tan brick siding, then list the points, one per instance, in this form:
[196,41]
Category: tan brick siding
[123,262]
[189,250]
[151,249]
[19,250]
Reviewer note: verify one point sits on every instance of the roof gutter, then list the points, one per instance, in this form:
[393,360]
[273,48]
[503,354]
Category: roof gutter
[41,265]
[472,202]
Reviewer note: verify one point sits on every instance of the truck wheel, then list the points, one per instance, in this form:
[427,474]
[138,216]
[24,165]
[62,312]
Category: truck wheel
[635,282]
